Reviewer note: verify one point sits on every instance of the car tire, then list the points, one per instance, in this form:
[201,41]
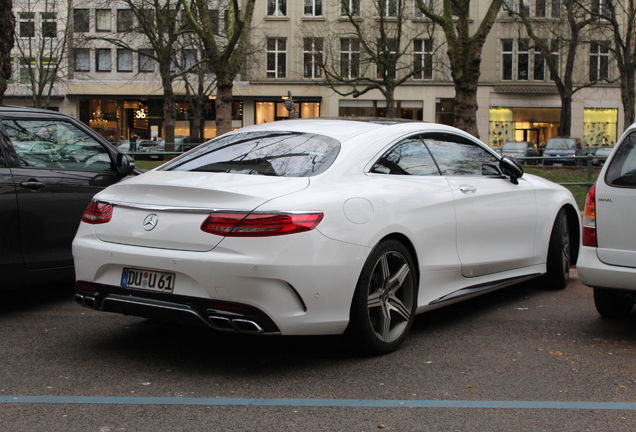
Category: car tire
[612,304]
[559,252]
[385,299]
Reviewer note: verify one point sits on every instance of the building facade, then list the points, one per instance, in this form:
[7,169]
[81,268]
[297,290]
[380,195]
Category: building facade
[118,91]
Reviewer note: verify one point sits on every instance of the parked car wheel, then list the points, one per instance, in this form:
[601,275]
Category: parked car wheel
[612,303]
[558,263]
[383,306]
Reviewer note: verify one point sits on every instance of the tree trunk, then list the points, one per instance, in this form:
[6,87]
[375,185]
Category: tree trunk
[171,116]
[466,106]
[390,102]
[223,105]
[565,122]
[628,96]
[7,30]
[198,103]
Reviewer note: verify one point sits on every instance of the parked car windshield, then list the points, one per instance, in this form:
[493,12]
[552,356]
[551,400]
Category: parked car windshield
[561,144]
[622,169]
[272,153]
[515,146]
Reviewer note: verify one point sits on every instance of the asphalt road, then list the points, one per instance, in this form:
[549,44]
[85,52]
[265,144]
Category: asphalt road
[521,359]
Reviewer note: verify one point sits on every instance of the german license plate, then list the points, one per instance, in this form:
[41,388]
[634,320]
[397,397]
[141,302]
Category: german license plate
[148,280]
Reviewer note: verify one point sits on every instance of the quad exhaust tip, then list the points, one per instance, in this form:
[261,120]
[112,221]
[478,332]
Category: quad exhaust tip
[236,324]
[86,301]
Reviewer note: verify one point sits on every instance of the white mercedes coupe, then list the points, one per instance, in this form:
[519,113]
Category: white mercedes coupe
[322,226]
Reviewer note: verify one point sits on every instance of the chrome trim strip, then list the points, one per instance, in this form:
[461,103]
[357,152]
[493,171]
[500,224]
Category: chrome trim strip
[180,209]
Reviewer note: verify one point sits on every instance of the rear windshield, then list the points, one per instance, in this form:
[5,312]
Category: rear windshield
[561,144]
[282,154]
[622,169]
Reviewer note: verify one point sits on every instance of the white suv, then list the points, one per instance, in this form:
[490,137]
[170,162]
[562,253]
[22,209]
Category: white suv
[607,261]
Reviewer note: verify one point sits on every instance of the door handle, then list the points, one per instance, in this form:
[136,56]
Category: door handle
[33,185]
[467,189]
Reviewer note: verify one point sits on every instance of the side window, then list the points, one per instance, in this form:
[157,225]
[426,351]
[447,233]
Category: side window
[622,171]
[408,157]
[457,156]
[55,144]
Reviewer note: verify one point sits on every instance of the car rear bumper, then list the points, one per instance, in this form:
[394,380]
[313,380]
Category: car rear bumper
[594,273]
[303,288]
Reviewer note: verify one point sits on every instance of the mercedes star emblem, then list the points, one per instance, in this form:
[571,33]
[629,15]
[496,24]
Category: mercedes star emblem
[151,222]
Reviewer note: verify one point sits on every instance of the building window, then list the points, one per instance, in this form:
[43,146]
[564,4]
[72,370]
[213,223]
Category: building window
[124,20]
[189,58]
[390,7]
[313,8]
[506,59]
[423,59]
[103,59]
[349,58]
[556,8]
[599,61]
[82,60]
[538,71]
[48,67]
[540,8]
[312,58]
[276,58]
[418,12]
[124,60]
[103,20]
[277,7]
[388,52]
[214,18]
[600,10]
[49,24]
[556,56]
[146,62]
[27,24]
[27,69]
[523,60]
[350,8]
[81,20]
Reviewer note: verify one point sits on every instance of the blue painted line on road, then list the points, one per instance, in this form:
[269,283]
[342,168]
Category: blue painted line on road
[347,403]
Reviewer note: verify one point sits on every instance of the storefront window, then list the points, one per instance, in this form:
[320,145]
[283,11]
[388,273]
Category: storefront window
[535,125]
[599,125]
[501,128]
[273,111]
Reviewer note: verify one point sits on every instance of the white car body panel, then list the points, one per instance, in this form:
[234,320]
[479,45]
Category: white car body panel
[613,263]
[305,282]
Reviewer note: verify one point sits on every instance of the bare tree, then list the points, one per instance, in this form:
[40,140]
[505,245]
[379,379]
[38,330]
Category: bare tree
[225,51]
[199,81]
[153,31]
[42,48]
[7,30]
[374,51]
[615,31]
[464,52]
[561,34]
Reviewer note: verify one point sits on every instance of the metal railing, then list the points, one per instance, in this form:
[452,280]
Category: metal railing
[587,161]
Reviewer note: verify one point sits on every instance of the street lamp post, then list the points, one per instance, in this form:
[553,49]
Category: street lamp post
[291,106]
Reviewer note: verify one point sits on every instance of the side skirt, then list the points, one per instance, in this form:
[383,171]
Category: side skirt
[483,288]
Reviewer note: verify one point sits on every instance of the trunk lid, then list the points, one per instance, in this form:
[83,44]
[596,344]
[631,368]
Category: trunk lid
[165,209]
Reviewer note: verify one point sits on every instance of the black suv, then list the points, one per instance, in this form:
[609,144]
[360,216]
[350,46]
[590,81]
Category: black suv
[51,165]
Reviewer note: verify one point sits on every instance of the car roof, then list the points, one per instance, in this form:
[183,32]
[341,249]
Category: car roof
[344,128]
[8,109]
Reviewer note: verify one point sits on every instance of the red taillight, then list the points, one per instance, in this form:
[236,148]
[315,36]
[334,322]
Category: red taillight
[259,224]
[589,219]
[97,213]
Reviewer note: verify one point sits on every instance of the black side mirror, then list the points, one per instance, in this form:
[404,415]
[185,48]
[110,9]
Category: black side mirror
[512,168]
[125,164]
